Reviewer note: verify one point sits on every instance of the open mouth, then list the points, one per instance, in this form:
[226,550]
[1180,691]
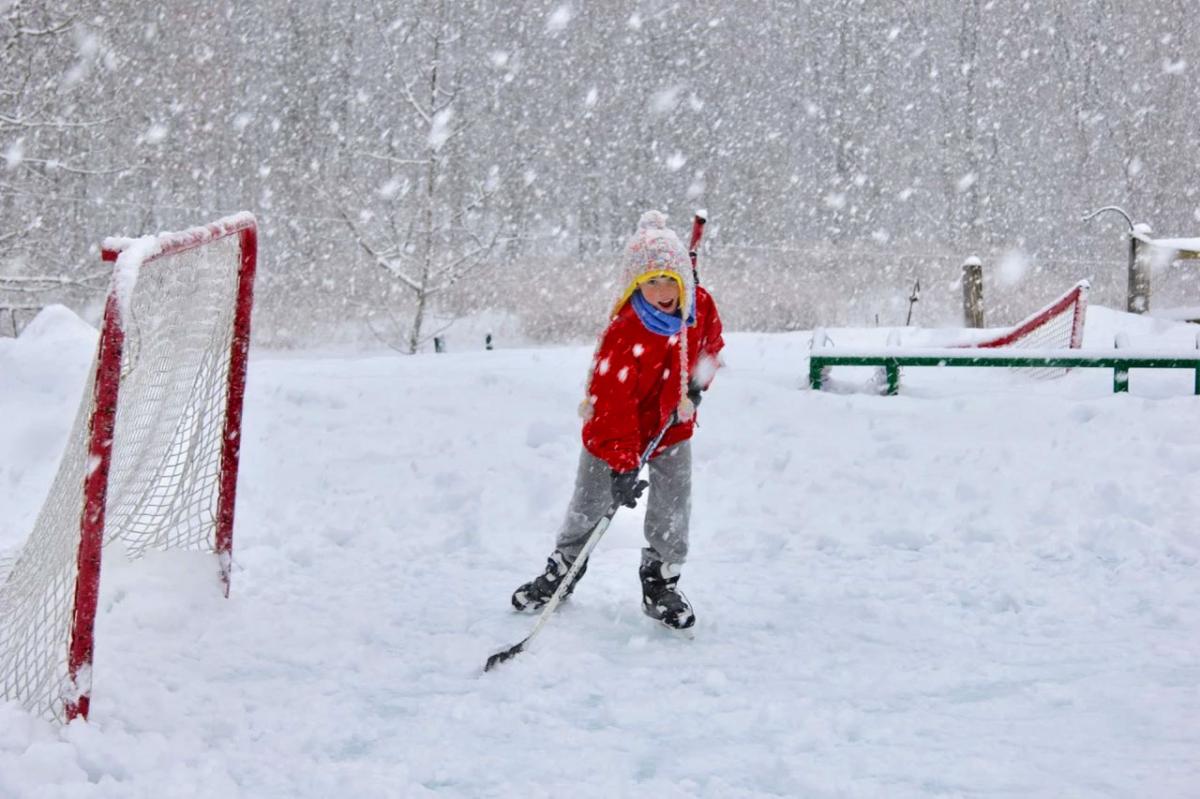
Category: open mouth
[667,305]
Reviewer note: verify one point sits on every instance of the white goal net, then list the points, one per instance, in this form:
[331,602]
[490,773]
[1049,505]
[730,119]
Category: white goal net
[151,461]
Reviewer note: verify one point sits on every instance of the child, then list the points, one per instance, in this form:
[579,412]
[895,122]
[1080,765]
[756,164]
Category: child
[658,353]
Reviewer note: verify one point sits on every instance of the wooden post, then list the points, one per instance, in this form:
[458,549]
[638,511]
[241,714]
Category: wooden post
[972,282]
[1138,298]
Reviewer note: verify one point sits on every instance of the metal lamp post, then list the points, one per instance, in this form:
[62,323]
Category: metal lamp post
[1138,294]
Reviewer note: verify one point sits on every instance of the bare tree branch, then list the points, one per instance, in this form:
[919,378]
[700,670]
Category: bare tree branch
[57,124]
[34,33]
[393,160]
[416,105]
[54,165]
[27,284]
[380,260]
[477,254]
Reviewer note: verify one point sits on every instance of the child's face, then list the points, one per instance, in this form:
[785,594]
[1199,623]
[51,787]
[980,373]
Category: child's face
[662,293]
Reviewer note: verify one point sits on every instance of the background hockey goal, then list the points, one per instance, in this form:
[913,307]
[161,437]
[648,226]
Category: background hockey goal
[152,458]
[1058,325]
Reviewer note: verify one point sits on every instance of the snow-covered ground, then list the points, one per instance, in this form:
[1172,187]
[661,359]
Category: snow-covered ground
[986,586]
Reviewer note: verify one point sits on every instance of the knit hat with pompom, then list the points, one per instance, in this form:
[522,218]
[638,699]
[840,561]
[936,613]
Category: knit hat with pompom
[655,251]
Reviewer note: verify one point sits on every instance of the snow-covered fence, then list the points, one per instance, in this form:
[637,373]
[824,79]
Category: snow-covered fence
[12,315]
[892,362]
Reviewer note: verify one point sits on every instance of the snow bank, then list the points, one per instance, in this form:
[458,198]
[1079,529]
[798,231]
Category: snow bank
[54,325]
[1144,331]
[42,375]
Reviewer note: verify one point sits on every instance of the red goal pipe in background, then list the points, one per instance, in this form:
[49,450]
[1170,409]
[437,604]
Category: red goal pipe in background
[1077,296]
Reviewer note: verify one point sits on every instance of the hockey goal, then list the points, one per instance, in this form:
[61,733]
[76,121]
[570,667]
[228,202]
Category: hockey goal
[152,458]
[1059,325]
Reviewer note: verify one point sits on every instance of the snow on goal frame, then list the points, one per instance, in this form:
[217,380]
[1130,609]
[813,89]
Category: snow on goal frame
[152,458]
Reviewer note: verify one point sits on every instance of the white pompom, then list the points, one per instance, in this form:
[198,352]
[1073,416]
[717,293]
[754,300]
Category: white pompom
[652,220]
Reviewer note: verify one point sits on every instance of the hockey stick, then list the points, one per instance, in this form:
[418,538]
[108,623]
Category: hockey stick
[592,539]
[697,231]
[912,300]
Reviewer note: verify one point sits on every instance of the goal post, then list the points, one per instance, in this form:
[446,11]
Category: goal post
[152,459]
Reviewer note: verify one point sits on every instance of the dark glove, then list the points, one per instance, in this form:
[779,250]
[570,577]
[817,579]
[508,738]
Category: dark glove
[695,393]
[626,488]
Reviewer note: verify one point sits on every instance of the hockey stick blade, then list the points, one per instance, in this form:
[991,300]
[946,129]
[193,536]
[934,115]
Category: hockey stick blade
[505,655]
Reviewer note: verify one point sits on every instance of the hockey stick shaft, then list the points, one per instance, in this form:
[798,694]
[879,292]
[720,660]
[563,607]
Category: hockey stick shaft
[698,222]
[593,538]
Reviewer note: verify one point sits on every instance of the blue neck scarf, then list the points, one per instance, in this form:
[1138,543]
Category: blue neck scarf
[658,321]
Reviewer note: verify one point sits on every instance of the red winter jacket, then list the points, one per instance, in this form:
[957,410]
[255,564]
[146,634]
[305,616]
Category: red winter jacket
[635,383]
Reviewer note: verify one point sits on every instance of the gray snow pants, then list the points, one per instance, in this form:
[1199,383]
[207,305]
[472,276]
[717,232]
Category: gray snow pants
[668,506]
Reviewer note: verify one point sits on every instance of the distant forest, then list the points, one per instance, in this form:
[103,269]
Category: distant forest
[459,157]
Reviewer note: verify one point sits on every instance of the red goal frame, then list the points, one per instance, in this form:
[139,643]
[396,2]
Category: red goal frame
[106,393]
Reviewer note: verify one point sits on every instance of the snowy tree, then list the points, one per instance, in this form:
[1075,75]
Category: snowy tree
[844,148]
[429,226]
[46,158]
